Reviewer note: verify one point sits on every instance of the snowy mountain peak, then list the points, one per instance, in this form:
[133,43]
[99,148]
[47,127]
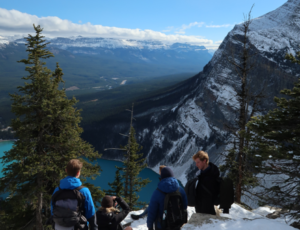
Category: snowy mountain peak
[287,14]
[278,29]
[113,43]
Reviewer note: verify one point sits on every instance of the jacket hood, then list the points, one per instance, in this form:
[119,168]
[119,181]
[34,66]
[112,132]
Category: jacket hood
[70,182]
[106,217]
[212,171]
[169,184]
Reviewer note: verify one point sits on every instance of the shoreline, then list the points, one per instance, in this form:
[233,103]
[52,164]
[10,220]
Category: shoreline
[7,140]
[122,161]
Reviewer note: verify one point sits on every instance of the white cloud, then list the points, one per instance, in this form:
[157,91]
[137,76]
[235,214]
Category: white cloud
[184,27]
[169,28]
[218,42]
[79,21]
[13,22]
[219,26]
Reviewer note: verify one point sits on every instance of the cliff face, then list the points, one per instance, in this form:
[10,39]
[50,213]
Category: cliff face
[191,116]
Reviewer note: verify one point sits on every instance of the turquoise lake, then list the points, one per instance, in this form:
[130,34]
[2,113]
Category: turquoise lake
[107,175]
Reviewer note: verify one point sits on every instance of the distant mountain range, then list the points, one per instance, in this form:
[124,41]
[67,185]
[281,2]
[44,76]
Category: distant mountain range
[98,62]
[181,56]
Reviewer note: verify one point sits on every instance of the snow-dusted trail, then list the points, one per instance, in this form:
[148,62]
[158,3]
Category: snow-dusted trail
[239,219]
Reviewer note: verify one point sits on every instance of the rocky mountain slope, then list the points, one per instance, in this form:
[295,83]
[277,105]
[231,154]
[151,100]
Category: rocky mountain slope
[191,116]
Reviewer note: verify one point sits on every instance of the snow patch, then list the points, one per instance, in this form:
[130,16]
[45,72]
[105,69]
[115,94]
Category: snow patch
[240,219]
[193,117]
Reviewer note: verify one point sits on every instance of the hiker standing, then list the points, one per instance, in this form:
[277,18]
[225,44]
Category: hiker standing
[168,204]
[207,187]
[110,218]
[72,207]
[143,214]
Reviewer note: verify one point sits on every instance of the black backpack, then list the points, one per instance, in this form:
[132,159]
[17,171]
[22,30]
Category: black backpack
[64,216]
[174,214]
[190,191]
[225,195]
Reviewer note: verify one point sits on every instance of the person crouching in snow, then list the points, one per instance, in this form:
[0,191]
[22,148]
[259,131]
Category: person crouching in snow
[110,218]
[157,210]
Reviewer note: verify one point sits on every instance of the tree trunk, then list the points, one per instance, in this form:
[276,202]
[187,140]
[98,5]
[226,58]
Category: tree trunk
[126,184]
[131,193]
[38,212]
[242,124]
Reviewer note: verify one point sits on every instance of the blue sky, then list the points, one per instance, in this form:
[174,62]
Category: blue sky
[209,20]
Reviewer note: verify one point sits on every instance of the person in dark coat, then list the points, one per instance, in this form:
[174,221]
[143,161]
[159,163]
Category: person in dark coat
[167,184]
[110,218]
[207,188]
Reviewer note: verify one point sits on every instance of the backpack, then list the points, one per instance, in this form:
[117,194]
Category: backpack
[190,191]
[63,215]
[225,195]
[174,215]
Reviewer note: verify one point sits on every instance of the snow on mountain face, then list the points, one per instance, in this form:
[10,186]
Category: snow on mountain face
[276,33]
[278,29]
[175,125]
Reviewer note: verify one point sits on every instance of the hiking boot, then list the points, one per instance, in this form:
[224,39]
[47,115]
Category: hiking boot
[135,217]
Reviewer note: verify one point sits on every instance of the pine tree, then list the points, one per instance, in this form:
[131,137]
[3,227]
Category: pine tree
[133,165]
[116,185]
[239,159]
[277,142]
[48,132]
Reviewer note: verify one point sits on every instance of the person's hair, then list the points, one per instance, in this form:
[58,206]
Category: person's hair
[110,209]
[73,167]
[202,156]
[161,167]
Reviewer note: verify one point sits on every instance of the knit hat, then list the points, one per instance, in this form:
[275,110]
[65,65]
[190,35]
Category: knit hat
[166,172]
[107,202]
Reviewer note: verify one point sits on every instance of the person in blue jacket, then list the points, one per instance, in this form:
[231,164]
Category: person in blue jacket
[167,184]
[71,182]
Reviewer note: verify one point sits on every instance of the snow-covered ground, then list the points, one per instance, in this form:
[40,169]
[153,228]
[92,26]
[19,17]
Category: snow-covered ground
[239,219]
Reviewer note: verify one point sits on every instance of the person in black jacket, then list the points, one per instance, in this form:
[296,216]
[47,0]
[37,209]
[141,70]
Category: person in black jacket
[207,188]
[110,218]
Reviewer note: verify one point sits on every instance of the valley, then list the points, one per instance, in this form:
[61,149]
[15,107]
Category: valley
[88,72]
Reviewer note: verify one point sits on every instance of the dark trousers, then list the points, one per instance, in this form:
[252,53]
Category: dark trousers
[211,211]
[226,210]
